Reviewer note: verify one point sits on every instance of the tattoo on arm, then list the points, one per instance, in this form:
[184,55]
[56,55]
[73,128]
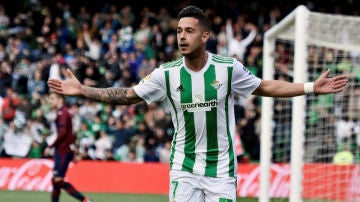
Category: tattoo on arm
[121,96]
[117,94]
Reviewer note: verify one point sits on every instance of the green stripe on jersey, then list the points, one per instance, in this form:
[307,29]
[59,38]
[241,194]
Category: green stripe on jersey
[211,124]
[220,59]
[168,93]
[190,136]
[231,149]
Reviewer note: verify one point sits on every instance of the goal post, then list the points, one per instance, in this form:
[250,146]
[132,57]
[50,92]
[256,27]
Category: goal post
[298,49]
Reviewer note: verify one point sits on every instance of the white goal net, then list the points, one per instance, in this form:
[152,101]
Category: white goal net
[315,137]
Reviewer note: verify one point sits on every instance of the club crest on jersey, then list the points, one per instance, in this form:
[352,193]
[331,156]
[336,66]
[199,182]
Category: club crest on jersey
[216,84]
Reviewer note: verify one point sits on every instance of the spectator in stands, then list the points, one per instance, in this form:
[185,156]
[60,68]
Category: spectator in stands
[39,127]
[54,71]
[20,75]
[88,110]
[106,33]
[120,134]
[282,59]
[131,156]
[36,84]
[126,152]
[248,133]
[86,140]
[102,144]
[17,142]
[36,150]
[165,152]
[94,45]
[253,60]
[237,44]
[4,20]
[97,124]
[151,154]
[9,106]
[126,42]
[170,51]
[344,130]
[139,148]
[222,38]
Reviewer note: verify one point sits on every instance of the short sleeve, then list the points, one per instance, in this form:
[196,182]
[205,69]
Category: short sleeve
[152,88]
[243,81]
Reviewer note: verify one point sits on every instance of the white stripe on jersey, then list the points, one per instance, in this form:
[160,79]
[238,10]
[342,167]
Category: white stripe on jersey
[180,136]
[200,129]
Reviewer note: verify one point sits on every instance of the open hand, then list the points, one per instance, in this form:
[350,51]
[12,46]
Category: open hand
[324,85]
[70,86]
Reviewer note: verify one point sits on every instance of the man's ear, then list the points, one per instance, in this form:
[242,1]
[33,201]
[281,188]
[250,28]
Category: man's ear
[205,36]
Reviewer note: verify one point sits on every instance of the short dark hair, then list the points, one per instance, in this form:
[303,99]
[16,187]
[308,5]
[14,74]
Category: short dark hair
[195,12]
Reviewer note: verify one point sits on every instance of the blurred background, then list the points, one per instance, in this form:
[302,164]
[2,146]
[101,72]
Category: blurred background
[112,43]
[116,43]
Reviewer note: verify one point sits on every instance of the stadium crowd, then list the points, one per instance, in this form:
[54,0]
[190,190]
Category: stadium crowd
[116,44]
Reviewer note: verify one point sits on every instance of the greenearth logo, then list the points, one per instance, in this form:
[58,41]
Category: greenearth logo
[199,106]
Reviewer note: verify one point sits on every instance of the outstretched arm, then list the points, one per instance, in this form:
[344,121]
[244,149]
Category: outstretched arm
[121,96]
[323,85]
[72,87]
[251,36]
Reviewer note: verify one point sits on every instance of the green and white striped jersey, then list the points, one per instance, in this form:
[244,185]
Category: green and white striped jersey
[202,108]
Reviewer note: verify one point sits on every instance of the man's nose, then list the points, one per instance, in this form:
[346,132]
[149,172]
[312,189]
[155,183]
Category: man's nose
[182,35]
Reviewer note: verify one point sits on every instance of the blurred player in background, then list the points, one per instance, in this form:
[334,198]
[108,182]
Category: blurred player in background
[63,146]
[199,89]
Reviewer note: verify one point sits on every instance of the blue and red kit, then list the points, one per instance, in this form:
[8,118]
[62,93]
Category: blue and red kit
[65,142]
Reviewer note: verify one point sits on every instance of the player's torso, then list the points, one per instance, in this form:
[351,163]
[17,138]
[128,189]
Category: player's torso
[64,121]
[197,91]
[199,103]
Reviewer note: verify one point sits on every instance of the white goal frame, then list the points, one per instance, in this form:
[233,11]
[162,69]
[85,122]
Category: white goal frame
[293,27]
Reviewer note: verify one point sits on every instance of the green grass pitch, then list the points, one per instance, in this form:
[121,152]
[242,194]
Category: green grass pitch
[35,196]
[32,196]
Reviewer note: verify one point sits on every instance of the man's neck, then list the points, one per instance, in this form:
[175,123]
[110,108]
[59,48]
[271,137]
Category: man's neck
[196,63]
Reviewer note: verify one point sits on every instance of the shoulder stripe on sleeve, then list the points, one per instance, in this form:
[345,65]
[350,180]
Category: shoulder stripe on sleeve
[173,63]
[221,59]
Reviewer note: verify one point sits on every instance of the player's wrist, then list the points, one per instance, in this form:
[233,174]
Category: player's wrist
[82,91]
[309,88]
